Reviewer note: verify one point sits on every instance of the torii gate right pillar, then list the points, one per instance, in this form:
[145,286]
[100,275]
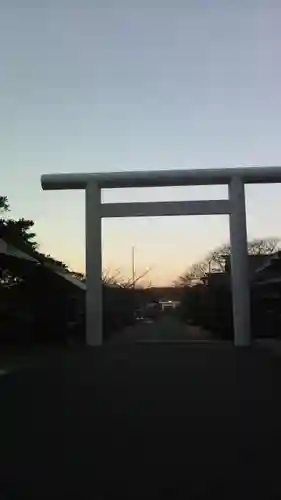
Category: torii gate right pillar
[239,263]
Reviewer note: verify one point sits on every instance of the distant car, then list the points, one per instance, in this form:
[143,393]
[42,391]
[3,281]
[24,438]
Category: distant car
[138,316]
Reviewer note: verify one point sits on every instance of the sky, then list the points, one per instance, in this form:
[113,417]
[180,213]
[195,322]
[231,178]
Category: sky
[101,86]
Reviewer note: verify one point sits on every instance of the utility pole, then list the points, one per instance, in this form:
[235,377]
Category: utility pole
[133,266]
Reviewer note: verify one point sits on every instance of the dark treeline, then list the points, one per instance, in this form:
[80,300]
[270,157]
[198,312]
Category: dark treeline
[39,301]
[207,298]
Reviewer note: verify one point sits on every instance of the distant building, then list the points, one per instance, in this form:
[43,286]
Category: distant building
[169,304]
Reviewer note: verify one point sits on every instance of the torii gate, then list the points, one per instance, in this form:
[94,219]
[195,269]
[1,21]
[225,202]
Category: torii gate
[235,178]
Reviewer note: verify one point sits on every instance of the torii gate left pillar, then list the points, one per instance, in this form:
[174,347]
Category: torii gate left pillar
[93,219]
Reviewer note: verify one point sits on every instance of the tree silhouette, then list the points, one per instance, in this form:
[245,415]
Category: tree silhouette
[259,246]
[25,299]
[215,261]
[18,232]
[4,205]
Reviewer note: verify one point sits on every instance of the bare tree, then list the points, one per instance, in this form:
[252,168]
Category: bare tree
[264,246]
[110,278]
[257,246]
[215,261]
[194,274]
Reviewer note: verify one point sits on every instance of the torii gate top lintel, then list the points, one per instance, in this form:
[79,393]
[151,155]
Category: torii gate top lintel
[158,178]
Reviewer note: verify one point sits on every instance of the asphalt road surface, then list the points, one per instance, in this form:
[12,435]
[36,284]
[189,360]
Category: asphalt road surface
[167,329]
[144,420]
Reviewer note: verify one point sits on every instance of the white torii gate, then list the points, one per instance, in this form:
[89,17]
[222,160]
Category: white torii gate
[235,178]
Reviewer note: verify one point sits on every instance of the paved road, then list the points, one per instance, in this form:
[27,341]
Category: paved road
[144,420]
[167,329]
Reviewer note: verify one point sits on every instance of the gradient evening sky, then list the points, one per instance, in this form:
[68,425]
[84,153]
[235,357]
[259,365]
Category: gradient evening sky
[101,86]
